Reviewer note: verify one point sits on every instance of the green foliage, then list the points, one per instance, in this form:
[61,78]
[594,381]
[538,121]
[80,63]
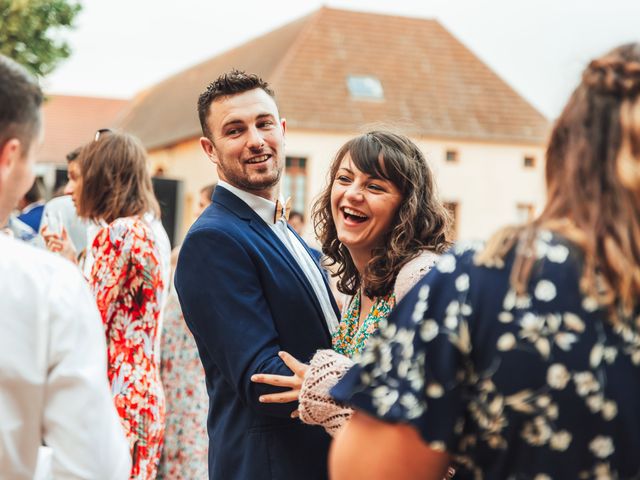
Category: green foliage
[30,32]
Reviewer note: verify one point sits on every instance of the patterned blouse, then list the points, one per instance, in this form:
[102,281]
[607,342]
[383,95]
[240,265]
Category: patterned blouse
[126,281]
[534,386]
[350,338]
[184,455]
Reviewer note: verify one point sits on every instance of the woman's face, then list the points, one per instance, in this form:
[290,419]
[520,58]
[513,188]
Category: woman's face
[74,183]
[363,208]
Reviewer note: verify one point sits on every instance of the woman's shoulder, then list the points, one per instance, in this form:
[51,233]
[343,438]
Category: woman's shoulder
[125,230]
[412,271]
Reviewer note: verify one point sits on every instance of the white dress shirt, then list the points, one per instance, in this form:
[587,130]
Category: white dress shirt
[53,372]
[265,209]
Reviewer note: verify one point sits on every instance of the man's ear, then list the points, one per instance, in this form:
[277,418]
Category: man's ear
[10,152]
[209,149]
[283,124]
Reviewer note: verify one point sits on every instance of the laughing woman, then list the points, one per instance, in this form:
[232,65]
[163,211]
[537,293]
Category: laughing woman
[380,221]
[521,359]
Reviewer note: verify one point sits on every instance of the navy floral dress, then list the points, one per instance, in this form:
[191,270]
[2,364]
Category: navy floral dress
[536,386]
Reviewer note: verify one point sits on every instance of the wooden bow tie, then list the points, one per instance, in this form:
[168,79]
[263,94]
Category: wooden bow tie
[282,210]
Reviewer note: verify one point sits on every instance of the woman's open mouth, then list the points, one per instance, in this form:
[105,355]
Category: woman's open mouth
[352,215]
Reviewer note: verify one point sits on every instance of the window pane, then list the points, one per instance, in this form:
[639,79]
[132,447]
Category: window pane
[451,156]
[361,86]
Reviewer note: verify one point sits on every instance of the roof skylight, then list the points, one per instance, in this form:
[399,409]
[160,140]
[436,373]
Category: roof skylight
[365,86]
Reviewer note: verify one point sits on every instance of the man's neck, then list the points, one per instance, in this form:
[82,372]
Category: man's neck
[270,193]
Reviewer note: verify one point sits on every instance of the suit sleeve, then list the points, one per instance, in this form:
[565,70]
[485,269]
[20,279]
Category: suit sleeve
[224,306]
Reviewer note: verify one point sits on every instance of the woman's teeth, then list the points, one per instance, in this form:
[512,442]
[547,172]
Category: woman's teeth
[354,215]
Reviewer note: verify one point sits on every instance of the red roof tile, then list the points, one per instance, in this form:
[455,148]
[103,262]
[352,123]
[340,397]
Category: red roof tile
[433,85]
[70,121]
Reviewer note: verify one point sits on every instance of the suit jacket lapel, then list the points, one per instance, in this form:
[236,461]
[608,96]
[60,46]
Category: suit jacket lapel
[324,279]
[269,235]
[242,210]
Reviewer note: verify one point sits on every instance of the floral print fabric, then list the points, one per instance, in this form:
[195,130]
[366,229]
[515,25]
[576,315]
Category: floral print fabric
[350,338]
[535,386]
[184,456]
[127,283]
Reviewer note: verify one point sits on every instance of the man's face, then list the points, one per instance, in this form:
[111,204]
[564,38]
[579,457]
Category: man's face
[248,141]
[16,173]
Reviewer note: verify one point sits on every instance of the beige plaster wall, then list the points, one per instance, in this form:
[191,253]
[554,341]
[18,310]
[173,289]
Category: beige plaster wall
[185,162]
[488,181]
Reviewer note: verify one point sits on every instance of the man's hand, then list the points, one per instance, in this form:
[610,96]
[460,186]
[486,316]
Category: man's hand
[294,382]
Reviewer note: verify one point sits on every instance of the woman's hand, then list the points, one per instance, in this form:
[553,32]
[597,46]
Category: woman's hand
[60,243]
[294,382]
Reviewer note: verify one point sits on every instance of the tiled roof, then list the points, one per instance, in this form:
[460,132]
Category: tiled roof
[71,121]
[433,85]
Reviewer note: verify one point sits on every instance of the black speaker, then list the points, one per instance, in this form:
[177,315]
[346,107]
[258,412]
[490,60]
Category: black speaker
[169,194]
[60,178]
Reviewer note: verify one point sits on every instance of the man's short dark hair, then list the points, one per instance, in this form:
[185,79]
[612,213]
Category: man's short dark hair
[20,101]
[36,192]
[227,84]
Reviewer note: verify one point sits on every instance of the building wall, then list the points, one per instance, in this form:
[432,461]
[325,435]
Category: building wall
[186,162]
[488,181]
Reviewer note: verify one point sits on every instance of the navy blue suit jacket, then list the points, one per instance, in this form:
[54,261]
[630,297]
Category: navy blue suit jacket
[245,298]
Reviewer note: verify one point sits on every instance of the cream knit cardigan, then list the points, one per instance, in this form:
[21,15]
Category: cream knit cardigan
[328,367]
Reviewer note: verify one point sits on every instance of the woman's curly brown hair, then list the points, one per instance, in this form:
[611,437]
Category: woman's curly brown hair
[421,222]
[593,184]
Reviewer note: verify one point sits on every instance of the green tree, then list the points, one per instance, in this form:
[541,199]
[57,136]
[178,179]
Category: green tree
[30,32]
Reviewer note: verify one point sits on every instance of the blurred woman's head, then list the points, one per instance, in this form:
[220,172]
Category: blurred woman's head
[113,181]
[380,204]
[204,199]
[593,179]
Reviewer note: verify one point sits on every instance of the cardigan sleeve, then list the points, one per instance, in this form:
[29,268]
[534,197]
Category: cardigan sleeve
[412,271]
[317,407]
[327,367]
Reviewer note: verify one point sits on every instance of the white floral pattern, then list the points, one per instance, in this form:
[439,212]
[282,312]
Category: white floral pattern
[533,386]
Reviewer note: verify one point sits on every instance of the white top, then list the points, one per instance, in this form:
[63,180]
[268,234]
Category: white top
[62,210]
[53,371]
[265,210]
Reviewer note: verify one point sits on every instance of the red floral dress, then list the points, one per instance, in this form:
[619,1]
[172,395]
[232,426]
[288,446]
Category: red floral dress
[127,283]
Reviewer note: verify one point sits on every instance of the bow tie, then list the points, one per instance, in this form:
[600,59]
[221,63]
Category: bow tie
[282,210]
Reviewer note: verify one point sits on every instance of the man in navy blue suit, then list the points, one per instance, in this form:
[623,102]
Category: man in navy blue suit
[249,288]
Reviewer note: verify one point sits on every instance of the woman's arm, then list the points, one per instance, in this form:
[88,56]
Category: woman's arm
[370,449]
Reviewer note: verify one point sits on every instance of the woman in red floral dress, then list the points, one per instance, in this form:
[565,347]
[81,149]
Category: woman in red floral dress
[111,186]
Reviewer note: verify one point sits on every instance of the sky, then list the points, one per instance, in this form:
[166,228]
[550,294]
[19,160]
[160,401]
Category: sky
[121,47]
